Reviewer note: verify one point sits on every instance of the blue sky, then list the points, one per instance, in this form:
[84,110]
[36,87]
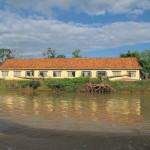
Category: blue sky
[99,28]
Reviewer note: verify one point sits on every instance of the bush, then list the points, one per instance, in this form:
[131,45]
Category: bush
[80,80]
[26,83]
[34,84]
[95,80]
[66,83]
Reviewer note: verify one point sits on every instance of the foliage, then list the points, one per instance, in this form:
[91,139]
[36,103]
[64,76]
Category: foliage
[6,54]
[72,84]
[23,83]
[52,54]
[34,84]
[61,56]
[145,61]
[66,84]
[99,77]
[95,80]
[49,53]
[26,83]
[80,80]
[76,53]
[54,83]
[130,54]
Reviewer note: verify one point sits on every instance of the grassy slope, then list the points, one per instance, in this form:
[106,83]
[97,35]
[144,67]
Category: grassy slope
[130,85]
[72,84]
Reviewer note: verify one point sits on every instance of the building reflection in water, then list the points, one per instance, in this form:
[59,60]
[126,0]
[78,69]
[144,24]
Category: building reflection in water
[75,111]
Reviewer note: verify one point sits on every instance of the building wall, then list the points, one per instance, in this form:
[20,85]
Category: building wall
[64,74]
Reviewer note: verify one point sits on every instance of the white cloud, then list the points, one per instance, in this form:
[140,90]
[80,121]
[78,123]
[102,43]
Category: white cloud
[91,7]
[33,36]
[137,11]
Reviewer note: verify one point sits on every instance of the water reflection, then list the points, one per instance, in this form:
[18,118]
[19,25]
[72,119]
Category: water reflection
[71,111]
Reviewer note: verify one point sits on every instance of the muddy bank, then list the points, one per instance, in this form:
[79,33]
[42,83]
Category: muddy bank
[67,141]
[19,137]
[72,141]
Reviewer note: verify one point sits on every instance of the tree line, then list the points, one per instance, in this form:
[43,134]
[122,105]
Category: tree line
[6,54]
[49,53]
[143,57]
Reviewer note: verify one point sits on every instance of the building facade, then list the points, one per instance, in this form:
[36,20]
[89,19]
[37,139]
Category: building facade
[113,68]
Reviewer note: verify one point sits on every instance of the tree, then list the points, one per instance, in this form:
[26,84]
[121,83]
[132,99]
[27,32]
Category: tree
[144,60]
[61,56]
[130,54]
[49,53]
[6,54]
[76,54]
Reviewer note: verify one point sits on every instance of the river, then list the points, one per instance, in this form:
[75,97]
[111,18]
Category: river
[74,121]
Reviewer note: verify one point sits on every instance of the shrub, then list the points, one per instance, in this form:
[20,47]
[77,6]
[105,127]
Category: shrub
[34,84]
[99,77]
[80,80]
[26,83]
[95,80]
[66,83]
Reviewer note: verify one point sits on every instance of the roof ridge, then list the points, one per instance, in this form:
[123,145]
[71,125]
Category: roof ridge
[71,63]
[74,58]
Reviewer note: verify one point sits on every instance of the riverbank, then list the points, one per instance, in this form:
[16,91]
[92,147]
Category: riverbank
[19,137]
[72,141]
[72,85]
[131,86]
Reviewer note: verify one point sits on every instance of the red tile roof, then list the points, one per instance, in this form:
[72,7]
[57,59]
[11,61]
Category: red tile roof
[71,63]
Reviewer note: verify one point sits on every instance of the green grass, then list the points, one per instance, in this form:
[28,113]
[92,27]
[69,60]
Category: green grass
[23,83]
[8,84]
[67,84]
[130,85]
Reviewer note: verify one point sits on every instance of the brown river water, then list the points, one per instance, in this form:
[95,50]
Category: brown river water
[74,121]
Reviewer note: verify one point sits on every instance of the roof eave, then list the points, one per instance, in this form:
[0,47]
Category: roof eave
[70,68]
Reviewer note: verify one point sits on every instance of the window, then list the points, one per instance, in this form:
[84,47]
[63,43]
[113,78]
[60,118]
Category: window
[29,74]
[57,74]
[17,73]
[103,73]
[116,73]
[43,74]
[71,73]
[4,73]
[131,73]
[86,74]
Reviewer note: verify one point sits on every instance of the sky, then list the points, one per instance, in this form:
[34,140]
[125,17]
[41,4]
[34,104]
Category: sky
[99,28]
